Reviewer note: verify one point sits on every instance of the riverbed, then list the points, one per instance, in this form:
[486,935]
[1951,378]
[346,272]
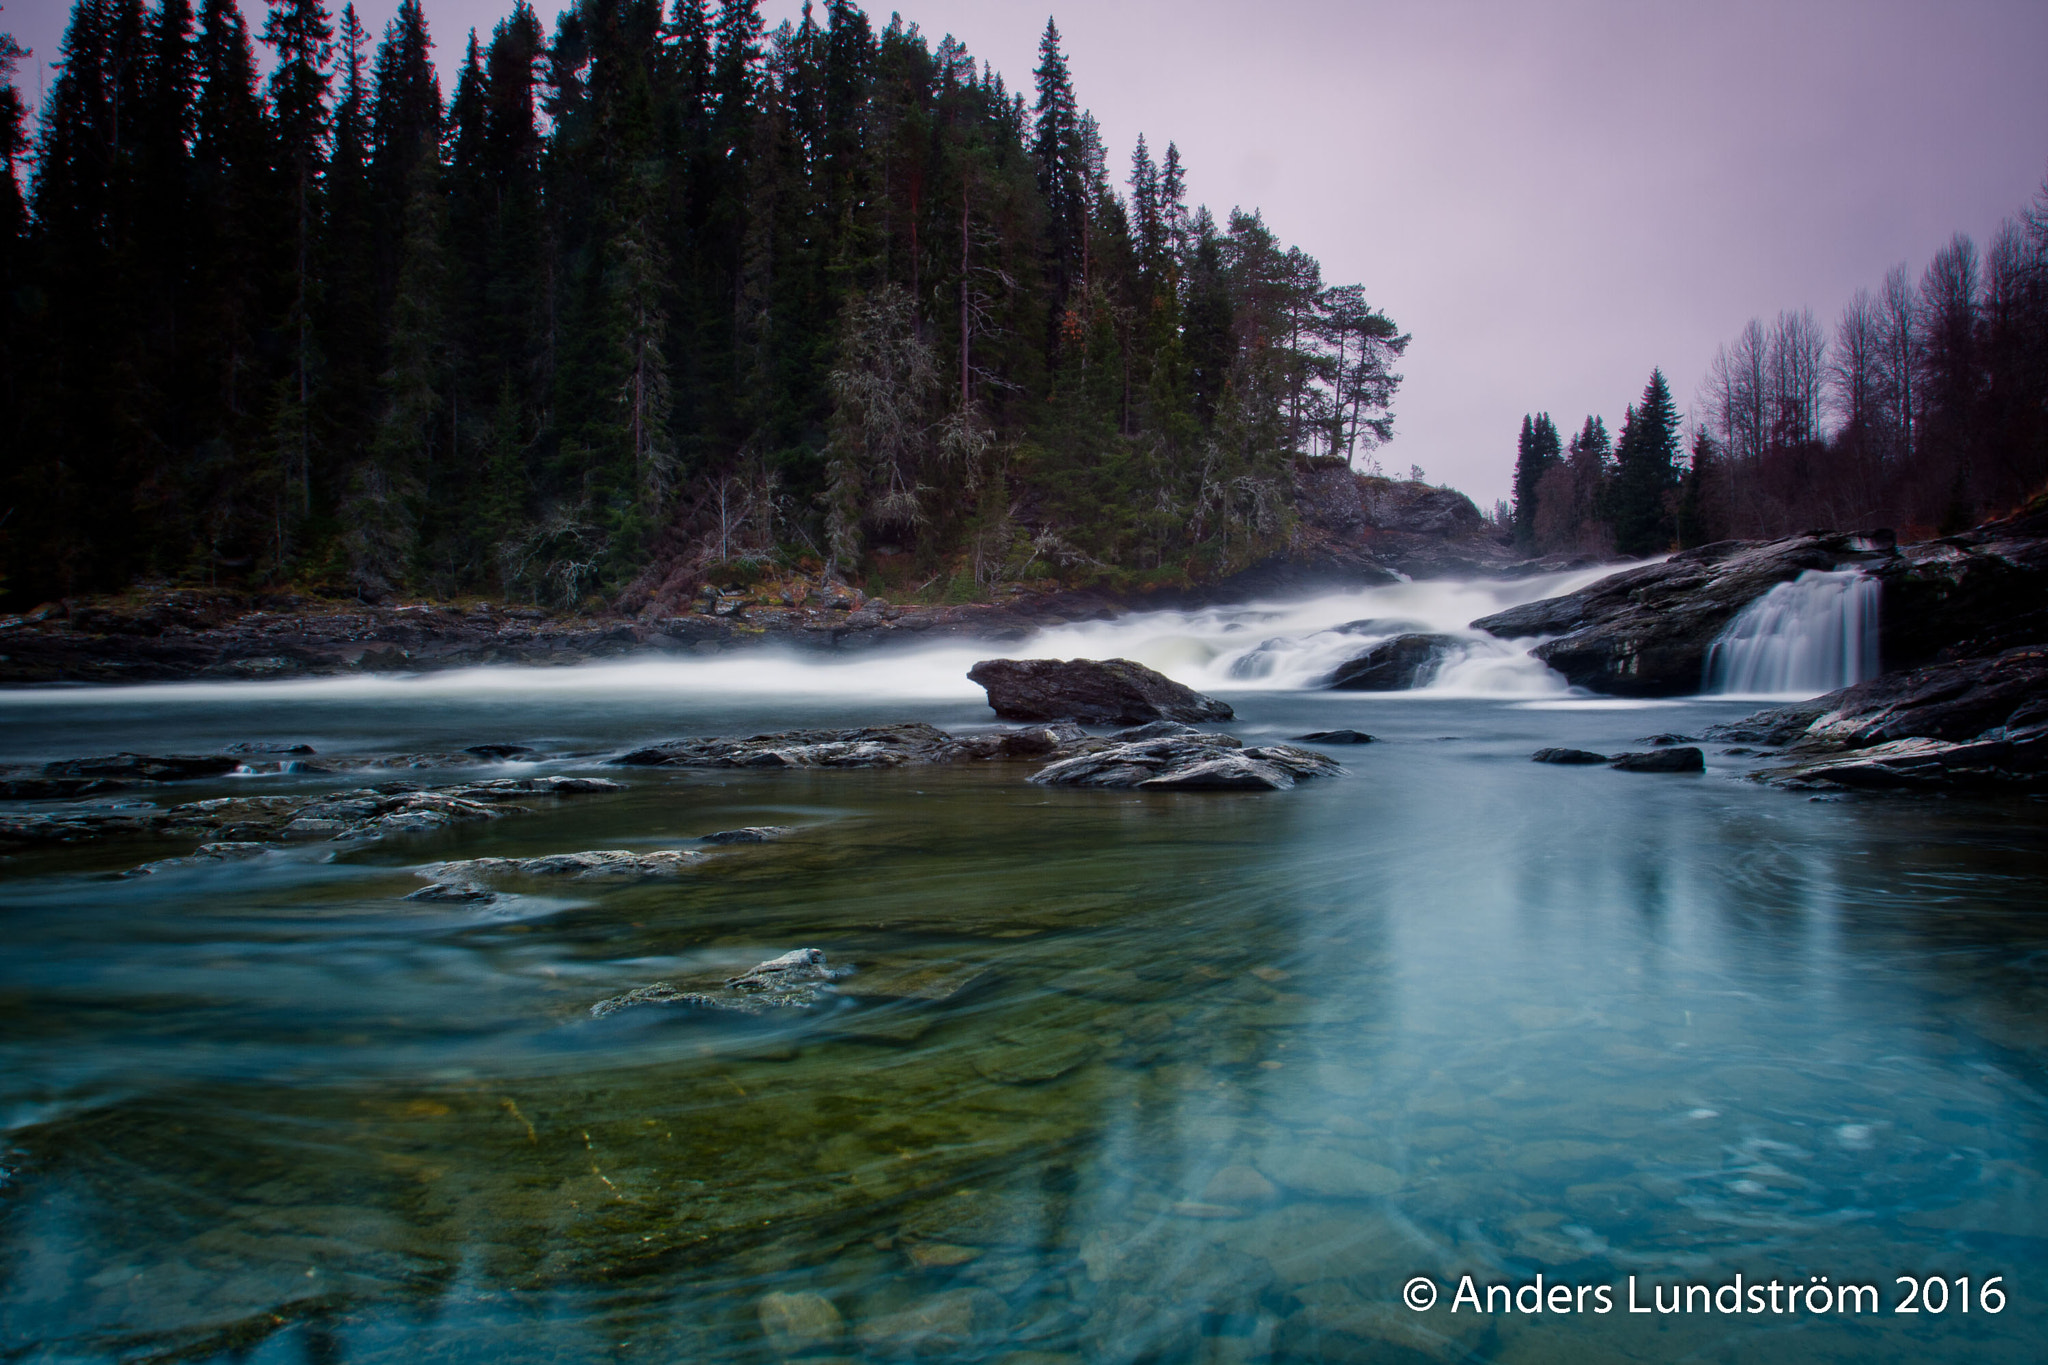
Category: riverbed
[1206,1077]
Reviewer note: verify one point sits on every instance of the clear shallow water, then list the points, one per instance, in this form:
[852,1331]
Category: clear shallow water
[1466,1014]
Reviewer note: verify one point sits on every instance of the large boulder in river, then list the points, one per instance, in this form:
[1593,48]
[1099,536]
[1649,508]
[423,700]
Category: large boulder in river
[1394,665]
[1092,691]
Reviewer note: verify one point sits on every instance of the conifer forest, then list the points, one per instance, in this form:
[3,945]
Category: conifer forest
[656,290]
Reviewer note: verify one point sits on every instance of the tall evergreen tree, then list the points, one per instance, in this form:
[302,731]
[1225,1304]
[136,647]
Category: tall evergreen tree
[1536,454]
[300,34]
[1646,472]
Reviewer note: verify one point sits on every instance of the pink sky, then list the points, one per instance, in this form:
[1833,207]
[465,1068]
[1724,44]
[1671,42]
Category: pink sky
[1551,197]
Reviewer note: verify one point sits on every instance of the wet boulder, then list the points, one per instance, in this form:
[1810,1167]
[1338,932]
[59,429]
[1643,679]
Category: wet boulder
[1567,756]
[1395,665]
[1091,691]
[1336,737]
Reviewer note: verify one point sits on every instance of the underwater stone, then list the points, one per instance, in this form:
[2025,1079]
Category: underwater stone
[794,1323]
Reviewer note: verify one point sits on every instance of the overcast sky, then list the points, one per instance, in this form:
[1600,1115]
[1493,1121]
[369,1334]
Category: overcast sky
[1551,197]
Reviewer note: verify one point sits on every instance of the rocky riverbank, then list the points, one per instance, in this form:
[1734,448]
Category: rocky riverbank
[1353,531]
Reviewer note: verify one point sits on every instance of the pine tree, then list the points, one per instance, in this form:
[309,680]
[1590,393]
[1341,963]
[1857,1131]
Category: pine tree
[1536,454]
[299,33]
[1646,473]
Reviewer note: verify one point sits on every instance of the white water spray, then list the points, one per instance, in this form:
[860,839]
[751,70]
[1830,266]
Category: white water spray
[1256,646]
[1800,639]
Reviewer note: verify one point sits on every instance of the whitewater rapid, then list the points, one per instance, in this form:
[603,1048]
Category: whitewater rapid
[1250,647]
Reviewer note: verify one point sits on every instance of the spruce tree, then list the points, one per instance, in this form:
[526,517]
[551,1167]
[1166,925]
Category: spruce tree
[1646,472]
[1536,454]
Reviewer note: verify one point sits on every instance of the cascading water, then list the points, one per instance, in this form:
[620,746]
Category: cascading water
[1800,639]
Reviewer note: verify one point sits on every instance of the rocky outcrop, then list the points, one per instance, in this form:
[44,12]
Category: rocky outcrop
[359,815]
[1092,691]
[1964,723]
[1189,763]
[241,636]
[1646,631]
[1395,665]
[798,979]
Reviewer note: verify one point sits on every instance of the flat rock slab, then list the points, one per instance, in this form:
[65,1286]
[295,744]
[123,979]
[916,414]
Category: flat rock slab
[1681,760]
[750,834]
[602,862]
[874,746]
[1189,763]
[1569,756]
[1091,691]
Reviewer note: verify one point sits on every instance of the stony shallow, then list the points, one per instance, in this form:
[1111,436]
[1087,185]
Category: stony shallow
[1118,1074]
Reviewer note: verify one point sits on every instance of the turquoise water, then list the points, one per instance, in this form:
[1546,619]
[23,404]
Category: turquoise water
[1213,1075]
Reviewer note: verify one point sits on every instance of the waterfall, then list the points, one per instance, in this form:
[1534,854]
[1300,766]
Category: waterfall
[1803,638]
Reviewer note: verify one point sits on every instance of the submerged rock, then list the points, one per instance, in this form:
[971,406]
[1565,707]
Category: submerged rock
[1681,760]
[945,1324]
[228,851]
[357,815]
[457,892]
[1567,756]
[602,862]
[1190,763]
[1336,737]
[1092,691]
[750,834]
[803,1321]
[798,979]
[1394,665]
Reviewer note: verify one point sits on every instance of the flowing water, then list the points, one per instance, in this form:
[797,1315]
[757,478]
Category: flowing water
[1222,1074]
[1800,639]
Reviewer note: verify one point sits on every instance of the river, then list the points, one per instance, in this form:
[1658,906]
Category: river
[1225,1072]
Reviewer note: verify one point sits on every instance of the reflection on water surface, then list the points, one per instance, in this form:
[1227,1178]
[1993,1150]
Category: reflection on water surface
[1207,1078]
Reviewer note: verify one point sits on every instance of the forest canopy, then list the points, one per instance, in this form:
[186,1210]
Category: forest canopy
[651,295]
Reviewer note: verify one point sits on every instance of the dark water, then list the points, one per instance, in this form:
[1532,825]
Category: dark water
[1460,1013]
